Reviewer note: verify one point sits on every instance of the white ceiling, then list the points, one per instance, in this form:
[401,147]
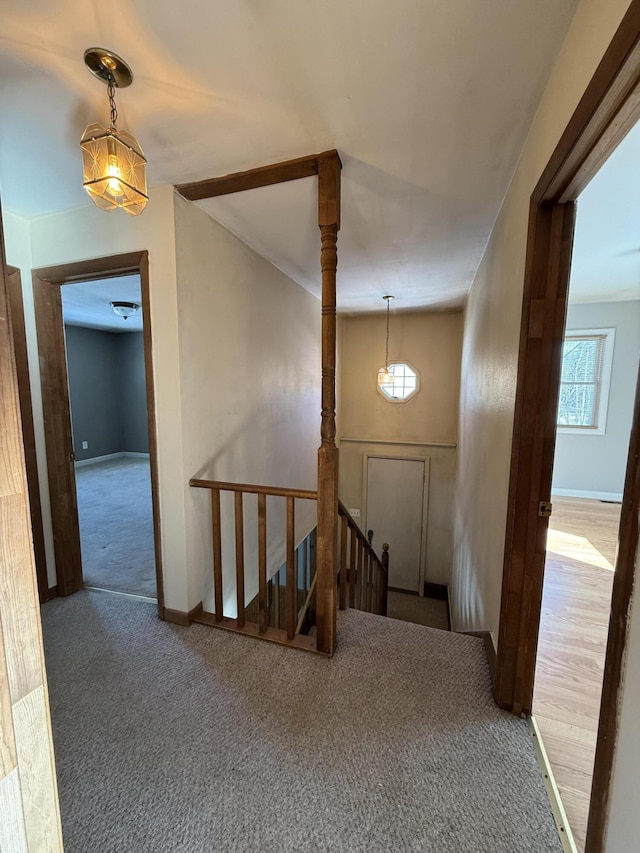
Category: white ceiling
[606,251]
[429,104]
[88,304]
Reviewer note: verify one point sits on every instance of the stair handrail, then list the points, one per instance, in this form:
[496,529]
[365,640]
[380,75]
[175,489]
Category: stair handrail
[375,594]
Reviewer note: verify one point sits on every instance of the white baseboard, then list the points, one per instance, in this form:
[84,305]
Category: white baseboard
[124,453]
[578,493]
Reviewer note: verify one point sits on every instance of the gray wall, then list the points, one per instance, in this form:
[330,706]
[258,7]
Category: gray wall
[597,463]
[133,392]
[107,391]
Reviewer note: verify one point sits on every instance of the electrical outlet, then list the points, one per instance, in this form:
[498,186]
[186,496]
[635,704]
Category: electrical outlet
[354,513]
[85,445]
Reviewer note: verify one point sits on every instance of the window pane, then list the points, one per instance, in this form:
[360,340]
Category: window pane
[577,405]
[580,359]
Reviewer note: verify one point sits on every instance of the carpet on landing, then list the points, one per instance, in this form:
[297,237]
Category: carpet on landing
[116,525]
[195,739]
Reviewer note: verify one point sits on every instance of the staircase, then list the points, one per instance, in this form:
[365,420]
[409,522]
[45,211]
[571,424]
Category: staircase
[283,608]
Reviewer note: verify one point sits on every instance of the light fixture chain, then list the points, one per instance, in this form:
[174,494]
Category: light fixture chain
[386,358]
[111,92]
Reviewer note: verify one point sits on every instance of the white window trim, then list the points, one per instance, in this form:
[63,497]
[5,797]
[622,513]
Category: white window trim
[401,399]
[605,384]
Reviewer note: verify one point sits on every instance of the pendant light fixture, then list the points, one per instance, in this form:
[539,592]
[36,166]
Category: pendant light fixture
[112,160]
[385,376]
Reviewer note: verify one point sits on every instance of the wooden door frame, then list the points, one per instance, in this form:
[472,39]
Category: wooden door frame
[13,284]
[607,111]
[425,503]
[47,282]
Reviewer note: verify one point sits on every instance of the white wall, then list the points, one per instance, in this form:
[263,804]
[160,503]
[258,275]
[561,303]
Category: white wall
[491,335]
[250,374]
[87,232]
[607,454]
[489,372]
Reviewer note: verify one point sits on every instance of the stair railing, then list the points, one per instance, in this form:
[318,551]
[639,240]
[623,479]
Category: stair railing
[363,577]
[264,625]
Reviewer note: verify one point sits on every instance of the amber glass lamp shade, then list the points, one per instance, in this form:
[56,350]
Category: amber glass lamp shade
[113,168]
[385,378]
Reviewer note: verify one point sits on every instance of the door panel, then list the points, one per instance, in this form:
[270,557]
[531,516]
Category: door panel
[395,496]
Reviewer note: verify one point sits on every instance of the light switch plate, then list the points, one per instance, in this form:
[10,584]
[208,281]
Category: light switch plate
[354,513]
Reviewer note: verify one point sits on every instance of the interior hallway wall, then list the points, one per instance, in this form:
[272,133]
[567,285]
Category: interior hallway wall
[250,374]
[88,232]
[489,374]
[423,426]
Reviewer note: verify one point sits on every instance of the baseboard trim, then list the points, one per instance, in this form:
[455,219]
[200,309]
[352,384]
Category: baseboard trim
[181,617]
[489,648]
[579,493]
[559,814]
[80,463]
[52,592]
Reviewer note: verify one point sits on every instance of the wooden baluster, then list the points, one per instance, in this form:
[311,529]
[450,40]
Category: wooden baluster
[343,563]
[359,574]
[304,567]
[368,588]
[262,562]
[291,588]
[217,553]
[239,558]
[274,601]
[385,577]
[329,222]
[375,597]
[352,568]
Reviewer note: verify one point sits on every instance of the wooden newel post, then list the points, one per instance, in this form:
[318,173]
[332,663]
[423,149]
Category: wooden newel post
[385,578]
[329,221]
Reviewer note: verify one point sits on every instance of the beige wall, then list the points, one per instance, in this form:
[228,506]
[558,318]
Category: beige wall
[250,377]
[489,364]
[236,354]
[491,330]
[424,426]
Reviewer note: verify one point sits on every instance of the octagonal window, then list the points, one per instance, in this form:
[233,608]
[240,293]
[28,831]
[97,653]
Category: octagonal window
[401,383]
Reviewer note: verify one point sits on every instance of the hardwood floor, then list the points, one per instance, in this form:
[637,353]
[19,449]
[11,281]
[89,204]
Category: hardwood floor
[581,547]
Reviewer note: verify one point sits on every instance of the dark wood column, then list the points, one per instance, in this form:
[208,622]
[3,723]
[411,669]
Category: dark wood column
[329,221]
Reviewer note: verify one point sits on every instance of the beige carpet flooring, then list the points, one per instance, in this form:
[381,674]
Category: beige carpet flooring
[198,740]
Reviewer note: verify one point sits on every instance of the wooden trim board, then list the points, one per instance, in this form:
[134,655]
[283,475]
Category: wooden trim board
[16,321]
[180,617]
[251,179]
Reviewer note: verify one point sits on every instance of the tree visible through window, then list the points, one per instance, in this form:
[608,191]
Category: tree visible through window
[586,365]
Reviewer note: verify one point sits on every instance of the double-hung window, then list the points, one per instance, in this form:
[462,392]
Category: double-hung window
[587,357]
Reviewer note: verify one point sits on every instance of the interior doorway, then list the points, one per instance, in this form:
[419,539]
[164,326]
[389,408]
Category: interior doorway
[103,492]
[107,392]
[600,355]
[608,110]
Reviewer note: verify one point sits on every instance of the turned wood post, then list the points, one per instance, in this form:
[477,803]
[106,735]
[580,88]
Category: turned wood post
[329,221]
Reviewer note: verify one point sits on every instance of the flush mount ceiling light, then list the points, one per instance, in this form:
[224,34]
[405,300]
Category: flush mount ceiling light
[125,309]
[112,160]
